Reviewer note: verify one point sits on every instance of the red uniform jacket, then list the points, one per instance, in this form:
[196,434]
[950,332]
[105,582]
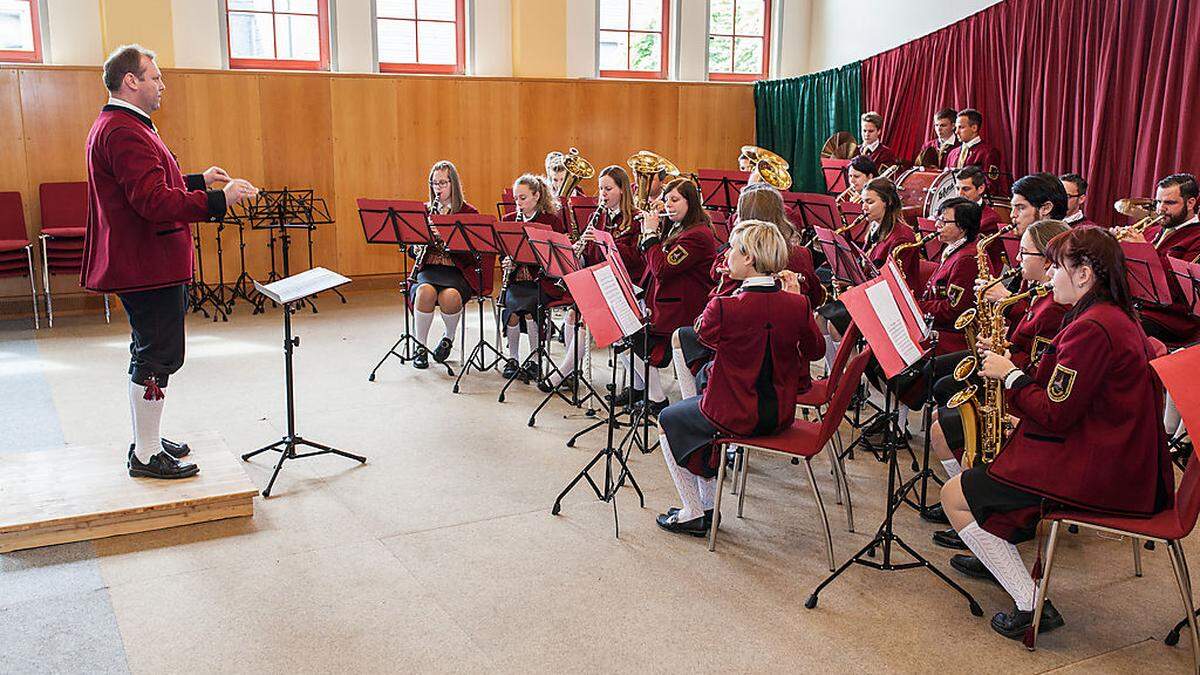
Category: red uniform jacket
[1033,328]
[139,207]
[626,240]
[549,221]
[935,147]
[981,155]
[1176,318]
[910,258]
[951,291]
[465,262]
[676,279]
[1091,434]
[882,155]
[763,339]
[799,261]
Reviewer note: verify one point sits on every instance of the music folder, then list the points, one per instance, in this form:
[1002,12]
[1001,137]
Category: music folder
[886,312]
[605,298]
[1144,270]
[302,285]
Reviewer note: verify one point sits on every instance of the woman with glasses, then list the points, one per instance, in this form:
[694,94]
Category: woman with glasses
[443,278]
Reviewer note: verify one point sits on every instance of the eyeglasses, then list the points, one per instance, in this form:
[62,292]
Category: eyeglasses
[1021,254]
[439,183]
[944,221]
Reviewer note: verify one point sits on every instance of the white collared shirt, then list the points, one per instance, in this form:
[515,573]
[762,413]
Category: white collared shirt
[1074,217]
[971,143]
[951,248]
[1171,230]
[872,229]
[949,140]
[869,147]
[758,282]
[122,103]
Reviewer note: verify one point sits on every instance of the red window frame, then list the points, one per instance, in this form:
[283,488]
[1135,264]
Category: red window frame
[766,38]
[282,64]
[460,33]
[20,55]
[664,40]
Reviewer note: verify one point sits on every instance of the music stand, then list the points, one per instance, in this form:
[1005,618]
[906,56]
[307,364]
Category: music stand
[834,171]
[721,226]
[279,212]
[1144,270]
[203,293]
[507,203]
[850,211]
[719,190]
[583,209]
[847,262]
[513,243]
[288,293]
[400,223]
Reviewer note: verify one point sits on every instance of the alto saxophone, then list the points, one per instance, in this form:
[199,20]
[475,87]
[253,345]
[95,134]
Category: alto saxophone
[919,243]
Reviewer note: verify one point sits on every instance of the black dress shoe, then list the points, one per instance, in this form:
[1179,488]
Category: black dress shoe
[655,407]
[533,371]
[628,396]
[972,567]
[566,384]
[511,368]
[694,527]
[442,351]
[949,539]
[176,450]
[1014,623]
[708,515]
[161,465]
[420,360]
[935,514]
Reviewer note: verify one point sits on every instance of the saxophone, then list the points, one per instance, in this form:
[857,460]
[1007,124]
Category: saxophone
[920,242]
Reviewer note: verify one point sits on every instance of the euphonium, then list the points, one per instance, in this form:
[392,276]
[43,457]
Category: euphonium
[645,166]
[772,167]
[578,170]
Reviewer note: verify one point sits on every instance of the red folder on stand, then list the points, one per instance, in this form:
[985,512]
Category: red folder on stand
[845,258]
[604,296]
[886,312]
[1188,276]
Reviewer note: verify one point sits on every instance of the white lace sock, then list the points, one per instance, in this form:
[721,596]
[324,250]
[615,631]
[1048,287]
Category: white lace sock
[708,492]
[687,381]
[535,339]
[902,418]
[147,415]
[451,321]
[571,358]
[1004,562]
[423,320]
[634,365]
[513,333]
[952,467]
[656,389]
[686,483]
[1172,420]
[831,347]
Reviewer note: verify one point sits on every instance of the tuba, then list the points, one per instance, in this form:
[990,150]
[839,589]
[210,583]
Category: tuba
[772,167]
[578,170]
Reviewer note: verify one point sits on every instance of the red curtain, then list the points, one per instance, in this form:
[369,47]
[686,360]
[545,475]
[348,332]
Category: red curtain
[1103,88]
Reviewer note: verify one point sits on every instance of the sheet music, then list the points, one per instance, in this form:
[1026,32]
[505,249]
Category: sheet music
[301,285]
[880,297]
[626,318]
[896,276]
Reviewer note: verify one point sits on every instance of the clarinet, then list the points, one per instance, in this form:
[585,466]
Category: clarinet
[520,218]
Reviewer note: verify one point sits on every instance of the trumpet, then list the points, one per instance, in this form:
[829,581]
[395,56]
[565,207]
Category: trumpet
[854,196]
[1143,209]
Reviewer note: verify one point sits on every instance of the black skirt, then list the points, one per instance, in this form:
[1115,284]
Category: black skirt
[1007,512]
[835,313]
[695,354]
[442,277]
[524,299]
[688,431]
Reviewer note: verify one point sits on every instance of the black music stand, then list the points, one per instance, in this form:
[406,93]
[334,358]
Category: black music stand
[289,292]
[1147,278]
[511,236]
[203,293]
[720,190]
[507,204]
[834,171]
[280,212]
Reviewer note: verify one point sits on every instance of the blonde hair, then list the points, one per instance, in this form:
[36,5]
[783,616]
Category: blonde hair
[456,192]
[763,242]
[546,203]
[763,202]
[1041,232]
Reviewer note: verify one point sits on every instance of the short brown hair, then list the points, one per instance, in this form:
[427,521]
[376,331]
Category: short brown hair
[122,60]
[873,117]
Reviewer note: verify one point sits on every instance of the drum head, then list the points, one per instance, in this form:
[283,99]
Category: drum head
[941,189]
[913,184]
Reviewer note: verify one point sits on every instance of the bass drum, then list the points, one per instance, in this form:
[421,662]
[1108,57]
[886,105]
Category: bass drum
[913,184]
[941,189]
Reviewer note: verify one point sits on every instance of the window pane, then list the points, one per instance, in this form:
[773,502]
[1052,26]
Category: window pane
[750,17]
[16,26]
[397,41]
[257,5]
[645,51]
[438,43]
[614,15]
[250,36]
[297,37]
[747,57]
[442,10]
[720,54]
[720,17]
[301,6]
[613,50]
[395,9]
[645,14]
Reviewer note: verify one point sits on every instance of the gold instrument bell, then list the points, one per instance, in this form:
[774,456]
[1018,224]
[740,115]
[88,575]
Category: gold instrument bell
[578,170]
[646,165]
[841,145]
[772,167]
[1137,208]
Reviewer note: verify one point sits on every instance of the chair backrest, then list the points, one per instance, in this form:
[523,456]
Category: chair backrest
[849,338]
[1187,496]
[12,217]
[843,392]
[63,204]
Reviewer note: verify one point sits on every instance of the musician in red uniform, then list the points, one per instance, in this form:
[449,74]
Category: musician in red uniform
[443,278]
[887,229]
[950,290]
[1072,446]
[1076,188]
[1177,237]
[860,171]
[762,338]
[973,150]
[527,291]
[679,254]
[972,184]
[1038,196]
[872,147]
[935,151]
[138,242]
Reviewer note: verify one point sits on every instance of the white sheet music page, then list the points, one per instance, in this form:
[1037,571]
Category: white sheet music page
[301,285]
[881,299]
[618,304]
[896,277]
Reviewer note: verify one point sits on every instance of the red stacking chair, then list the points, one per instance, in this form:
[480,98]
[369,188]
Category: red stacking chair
[803,440]
[64,221]
[16,252]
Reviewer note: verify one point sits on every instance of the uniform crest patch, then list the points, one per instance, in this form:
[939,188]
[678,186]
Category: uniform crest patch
[1040,346]
[676,255]
[1061,382]
[954,293]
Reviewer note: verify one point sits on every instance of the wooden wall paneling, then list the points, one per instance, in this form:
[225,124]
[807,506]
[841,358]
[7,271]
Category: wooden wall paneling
[549,117]
[487,155]
[715,121]
[14,176]
[298,150]
[366,163]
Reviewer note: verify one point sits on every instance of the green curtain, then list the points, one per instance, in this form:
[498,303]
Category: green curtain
[793,117]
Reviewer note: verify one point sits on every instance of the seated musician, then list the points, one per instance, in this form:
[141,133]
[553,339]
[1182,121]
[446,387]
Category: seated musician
[1031,328]
[950,289]
[762,338]
[973,150]
[556,170]
[1089,435]
[527,292]
[872,147]
[934,152]
[445,279]
[860,171]
[763,203]
[1038,196]
[1076,188]
[679,254]
[614,214]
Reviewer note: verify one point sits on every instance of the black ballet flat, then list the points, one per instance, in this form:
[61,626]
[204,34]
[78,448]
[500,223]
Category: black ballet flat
[442,351]
[949,539]
[1014,623]
[935,514]
[420,360]
[511,368]
[708,515]
[694,527]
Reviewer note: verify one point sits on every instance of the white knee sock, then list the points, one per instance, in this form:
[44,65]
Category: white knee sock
[686,483]
[634,365]
[1004,562]
[147,414]
[902,418]
[656,390]
[952,467]
[571,358]
[423,320]
[535,339]
[831,347]
[687,381]
[513,334]
[708,491]
[451,321]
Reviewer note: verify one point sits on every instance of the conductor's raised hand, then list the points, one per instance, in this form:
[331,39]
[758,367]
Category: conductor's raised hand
[215,174]
[238,189]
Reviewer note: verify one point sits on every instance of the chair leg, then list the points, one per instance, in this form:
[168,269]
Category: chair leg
[1137,556]
[1179,564]
[1040,600]
[716,519]
[737,466]
[107,311]
[46,285]
[745,452]
[33,289]
[840,467]
[812,481]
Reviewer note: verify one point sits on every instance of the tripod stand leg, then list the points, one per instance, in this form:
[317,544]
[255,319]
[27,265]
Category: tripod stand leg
[283,455]
[325,449]
[554,510]
[976,610]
